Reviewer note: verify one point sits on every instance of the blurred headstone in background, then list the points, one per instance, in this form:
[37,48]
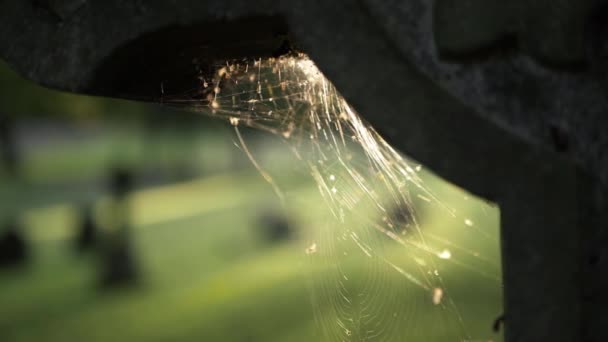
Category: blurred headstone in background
[121,183]
[9,152]
[274,225]
[87,234]
[119,267]
[13,247]
[400,219]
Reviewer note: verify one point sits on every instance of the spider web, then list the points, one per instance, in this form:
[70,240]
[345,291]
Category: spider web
[386,249]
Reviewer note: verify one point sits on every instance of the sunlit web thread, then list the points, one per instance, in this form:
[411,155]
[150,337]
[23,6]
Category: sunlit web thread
[360,176]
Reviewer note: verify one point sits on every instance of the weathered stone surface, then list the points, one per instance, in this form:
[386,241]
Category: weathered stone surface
[534,101]
[63,9]
[552,31]
[467,28]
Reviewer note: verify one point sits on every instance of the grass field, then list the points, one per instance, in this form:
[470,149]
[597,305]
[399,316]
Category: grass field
[208,275]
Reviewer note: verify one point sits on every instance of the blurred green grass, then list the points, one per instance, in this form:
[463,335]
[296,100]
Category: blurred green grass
[207,273]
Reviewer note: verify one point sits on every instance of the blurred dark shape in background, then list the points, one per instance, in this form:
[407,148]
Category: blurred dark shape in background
[13,247]
[274,226]
[111,195]
[401,218]
[175,130]
[121,183]
[118,262]
[119,269]
[9,152]
[87,235]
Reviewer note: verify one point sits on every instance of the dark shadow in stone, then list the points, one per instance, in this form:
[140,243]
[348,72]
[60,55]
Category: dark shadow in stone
[597,43]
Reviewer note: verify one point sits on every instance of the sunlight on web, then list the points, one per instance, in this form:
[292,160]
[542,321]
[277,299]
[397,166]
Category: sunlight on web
[395,254]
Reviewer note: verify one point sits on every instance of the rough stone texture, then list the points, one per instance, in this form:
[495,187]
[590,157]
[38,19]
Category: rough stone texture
[63,9]
[560,109]
[67,53]
[551,31]
[522,124]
